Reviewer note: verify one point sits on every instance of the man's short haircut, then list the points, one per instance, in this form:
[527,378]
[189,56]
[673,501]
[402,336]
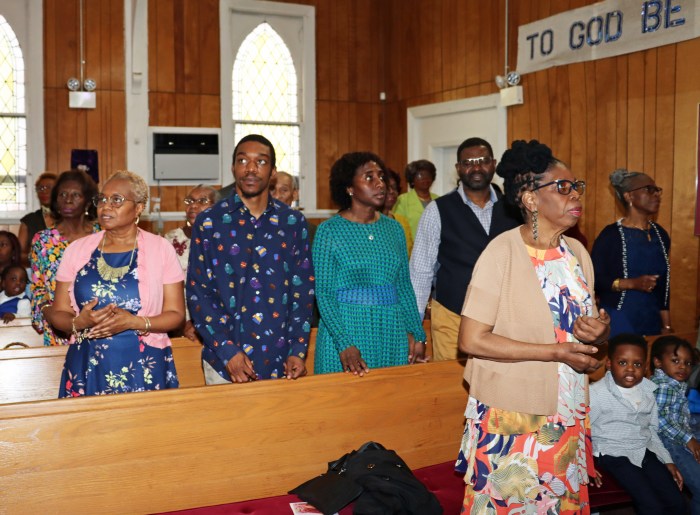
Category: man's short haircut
[259,139]
[662,344]
[474,142]
[627,339]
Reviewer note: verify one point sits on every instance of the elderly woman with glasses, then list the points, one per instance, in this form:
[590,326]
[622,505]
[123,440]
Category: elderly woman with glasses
[118,293]
[74,217]
[631,260]
[530,327]
[197,200]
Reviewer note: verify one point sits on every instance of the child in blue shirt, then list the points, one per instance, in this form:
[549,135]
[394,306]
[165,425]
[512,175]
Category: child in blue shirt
[624,424]
[13,299]
[672,362]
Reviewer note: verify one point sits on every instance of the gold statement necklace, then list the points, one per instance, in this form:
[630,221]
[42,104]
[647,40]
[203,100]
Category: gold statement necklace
[112,273]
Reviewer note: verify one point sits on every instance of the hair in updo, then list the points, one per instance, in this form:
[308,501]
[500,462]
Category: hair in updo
[522,167]
[622,182]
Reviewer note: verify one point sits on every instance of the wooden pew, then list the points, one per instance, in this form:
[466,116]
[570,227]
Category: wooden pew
[34,373]
[177,449]
[20,330]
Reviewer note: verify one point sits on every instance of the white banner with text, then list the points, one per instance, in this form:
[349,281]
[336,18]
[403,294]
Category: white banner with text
[605,29]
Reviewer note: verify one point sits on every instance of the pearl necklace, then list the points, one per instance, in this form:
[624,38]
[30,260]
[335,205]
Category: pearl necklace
[624,259]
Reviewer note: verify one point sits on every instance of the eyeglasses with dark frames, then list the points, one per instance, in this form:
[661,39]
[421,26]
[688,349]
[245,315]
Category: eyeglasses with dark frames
[42,188]
[202,201]
[114,200]
[651,189]
[564,186]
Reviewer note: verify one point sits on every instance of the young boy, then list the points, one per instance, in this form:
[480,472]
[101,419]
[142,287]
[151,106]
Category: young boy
[13,300]
[624,424]
[671,362]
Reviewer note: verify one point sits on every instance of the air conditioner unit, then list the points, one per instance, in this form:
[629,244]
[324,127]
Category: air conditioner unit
[185,155]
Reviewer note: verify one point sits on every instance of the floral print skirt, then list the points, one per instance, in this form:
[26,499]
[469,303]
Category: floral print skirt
[116,365]
[531,473]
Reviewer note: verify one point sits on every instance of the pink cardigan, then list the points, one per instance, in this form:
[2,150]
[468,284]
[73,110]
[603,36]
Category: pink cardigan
[157,265]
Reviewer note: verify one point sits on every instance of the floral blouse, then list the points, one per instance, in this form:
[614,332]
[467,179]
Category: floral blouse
[45,255]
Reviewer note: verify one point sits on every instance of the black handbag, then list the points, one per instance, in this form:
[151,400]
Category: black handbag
[377,478]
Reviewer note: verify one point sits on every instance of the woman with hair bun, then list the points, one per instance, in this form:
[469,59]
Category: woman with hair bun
[530,327]
[631,260]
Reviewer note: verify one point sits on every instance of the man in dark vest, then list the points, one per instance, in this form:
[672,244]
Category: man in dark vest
[452,233]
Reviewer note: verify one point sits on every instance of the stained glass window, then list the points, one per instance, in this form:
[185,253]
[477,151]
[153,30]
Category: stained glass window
[13,122]
[265,95]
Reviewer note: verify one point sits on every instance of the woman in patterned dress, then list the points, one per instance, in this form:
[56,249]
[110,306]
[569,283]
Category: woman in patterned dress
[72,209]
[530,326]
[369,315]
[197,200]
[118,293]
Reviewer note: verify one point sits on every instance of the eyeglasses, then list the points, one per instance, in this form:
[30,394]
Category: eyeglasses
[114,200]
[42,189]
[564,186]
[650,189]
[202,201]
[476,161]
[75,196]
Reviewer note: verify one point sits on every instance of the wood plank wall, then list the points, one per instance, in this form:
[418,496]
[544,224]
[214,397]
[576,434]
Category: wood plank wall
[638,111]
[104,128]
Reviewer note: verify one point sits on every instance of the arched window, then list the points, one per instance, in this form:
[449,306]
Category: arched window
[268,85]
[265,95]
[13,122]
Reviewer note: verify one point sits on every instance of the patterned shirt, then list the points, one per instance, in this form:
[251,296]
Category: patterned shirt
[424,255]
[250,285]
[674,413]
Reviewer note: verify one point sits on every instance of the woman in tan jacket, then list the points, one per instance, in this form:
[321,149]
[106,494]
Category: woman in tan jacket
[530,327]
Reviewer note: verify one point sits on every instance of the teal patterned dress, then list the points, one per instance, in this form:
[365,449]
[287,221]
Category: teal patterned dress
[364,293]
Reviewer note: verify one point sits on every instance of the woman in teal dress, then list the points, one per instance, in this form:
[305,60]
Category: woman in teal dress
[369,316]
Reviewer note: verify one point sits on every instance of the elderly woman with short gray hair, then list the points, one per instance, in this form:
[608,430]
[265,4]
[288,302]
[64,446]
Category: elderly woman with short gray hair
[631,260]
[118,293]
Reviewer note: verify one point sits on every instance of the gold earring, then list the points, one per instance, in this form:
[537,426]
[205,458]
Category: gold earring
[138,217]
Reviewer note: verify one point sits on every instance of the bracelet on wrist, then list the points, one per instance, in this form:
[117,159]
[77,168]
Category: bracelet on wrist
[616,285]
[147,329]
[78,336]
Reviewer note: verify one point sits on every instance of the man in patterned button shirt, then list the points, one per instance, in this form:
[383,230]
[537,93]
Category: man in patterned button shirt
[250,282]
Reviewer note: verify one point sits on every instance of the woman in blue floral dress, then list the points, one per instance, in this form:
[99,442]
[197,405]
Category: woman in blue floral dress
[118,293]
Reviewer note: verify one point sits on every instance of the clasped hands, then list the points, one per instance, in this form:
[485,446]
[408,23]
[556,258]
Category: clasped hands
[103,322]
[589,331]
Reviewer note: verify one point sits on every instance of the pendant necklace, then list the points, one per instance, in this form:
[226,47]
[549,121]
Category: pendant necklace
[112,273]
[646,230]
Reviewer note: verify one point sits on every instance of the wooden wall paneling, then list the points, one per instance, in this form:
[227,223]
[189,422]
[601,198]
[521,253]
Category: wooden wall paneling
[67,41]
[161,28]
[115,28]
[162,109]
[606,98]
[472,54]
[544,116]
[623,85]
[344,38]
[664,134]
[325,51]
[449,36]
[576,86]
[635,114]
[193,54]
[589,127]
[179,36]
[187,110]
[209,110]
[210,55]
[51,128]
[560,109]
[684,246]
[650,111]
[117,142]
[50,52]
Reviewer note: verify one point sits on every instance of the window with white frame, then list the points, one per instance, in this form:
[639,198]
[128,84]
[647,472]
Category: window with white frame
[13,122]
[268,84]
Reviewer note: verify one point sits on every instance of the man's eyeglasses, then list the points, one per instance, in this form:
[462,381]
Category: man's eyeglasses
[650,189]
[114,200]
[202,201]
[476,161]
[564,186]
[42,189]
